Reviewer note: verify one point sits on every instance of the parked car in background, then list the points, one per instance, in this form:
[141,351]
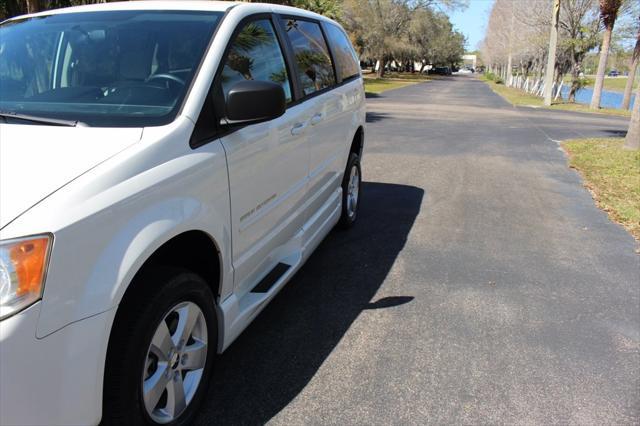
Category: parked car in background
[440,71]
[165,168]
[613,73]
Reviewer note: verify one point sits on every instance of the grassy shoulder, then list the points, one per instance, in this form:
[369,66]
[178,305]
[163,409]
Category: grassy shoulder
[613,176]
[375,86]
[519,97]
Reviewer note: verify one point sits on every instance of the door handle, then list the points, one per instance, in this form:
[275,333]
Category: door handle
[316,119]
[298,128]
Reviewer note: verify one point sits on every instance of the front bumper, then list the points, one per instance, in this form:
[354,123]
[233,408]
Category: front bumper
[56,379]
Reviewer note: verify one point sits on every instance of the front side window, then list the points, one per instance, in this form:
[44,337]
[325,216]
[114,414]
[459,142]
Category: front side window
[347,64]
[255,54]
[311,55]
[116,68]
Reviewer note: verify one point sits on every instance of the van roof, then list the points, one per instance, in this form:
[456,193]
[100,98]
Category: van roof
[197,5]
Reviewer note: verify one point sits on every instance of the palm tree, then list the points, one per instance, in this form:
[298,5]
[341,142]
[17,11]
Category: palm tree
[626,100]
[551,57]
[632,141]
[608,14]
[251,36]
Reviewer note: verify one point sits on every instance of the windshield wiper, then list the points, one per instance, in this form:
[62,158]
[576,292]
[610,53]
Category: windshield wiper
[42,120]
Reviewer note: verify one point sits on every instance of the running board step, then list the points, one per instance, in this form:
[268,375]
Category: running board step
[271,278]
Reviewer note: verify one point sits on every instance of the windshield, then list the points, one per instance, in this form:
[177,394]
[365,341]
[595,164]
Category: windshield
[115,69]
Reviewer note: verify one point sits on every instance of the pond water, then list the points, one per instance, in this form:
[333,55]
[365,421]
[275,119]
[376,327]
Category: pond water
[608,99]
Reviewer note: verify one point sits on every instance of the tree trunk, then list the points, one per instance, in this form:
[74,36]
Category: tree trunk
[33,6]
[551,59]
[575,76]
[632,141]
[381,66]
[509,79]
[558,84]
[602,65]
[626,100]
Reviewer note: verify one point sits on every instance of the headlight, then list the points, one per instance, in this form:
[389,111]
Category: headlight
[23,264]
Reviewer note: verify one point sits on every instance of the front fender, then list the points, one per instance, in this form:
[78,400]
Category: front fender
[107,223]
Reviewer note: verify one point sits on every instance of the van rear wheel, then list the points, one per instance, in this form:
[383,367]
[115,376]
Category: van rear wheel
[351,184]
[161,352]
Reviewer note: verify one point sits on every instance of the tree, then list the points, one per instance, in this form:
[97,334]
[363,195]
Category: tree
[401,30]
[434,40]
[329,8]
[633,67]
[632,140]
[608,14]
[380,28]
[33,6]
[579,24]
[551,58]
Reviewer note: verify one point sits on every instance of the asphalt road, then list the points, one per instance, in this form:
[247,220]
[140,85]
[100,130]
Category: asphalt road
[481,284]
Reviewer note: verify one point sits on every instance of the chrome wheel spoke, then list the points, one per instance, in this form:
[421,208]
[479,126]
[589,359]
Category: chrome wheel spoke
[161,343]
[188,318]
[194,356]
[155,385]
[176,401]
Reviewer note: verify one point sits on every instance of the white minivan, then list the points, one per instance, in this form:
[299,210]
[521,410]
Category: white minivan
[165,168]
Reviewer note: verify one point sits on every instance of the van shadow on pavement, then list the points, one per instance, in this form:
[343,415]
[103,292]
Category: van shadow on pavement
[277,355]
[374,117]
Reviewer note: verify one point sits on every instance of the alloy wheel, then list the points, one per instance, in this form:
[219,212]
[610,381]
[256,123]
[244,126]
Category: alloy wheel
[353,190]
[175,362]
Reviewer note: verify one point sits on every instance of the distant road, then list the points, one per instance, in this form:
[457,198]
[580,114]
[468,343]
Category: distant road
[481,285]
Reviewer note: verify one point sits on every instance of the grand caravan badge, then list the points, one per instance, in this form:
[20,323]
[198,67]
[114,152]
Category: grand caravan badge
[257,208]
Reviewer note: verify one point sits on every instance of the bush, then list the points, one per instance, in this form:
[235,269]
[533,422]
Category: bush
[493,77]
[581,82]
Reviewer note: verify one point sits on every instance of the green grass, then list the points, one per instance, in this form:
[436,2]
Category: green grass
[375,86]
[519,97]
[614,84]
[416,76]
[613,176]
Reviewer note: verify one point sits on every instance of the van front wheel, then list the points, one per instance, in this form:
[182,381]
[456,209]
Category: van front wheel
[161,352]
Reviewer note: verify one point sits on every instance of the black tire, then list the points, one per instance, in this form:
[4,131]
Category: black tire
[138,317]
[349,216]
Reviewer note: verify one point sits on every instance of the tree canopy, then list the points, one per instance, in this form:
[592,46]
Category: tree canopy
[520,30]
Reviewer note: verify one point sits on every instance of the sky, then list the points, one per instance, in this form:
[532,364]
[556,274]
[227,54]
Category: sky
[472,21]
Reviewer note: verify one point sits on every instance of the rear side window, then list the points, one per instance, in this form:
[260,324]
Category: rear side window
[347,64]
[311,55]
[255,54]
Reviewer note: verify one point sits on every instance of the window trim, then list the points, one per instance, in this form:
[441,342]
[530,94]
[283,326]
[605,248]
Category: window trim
[217,130]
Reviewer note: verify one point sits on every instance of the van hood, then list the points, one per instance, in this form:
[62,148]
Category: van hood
[35,161]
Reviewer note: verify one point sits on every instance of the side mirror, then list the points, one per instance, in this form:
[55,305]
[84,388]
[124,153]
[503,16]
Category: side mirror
[254,101]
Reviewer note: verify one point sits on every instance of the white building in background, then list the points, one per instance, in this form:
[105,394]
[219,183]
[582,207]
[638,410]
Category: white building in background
[470,60]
